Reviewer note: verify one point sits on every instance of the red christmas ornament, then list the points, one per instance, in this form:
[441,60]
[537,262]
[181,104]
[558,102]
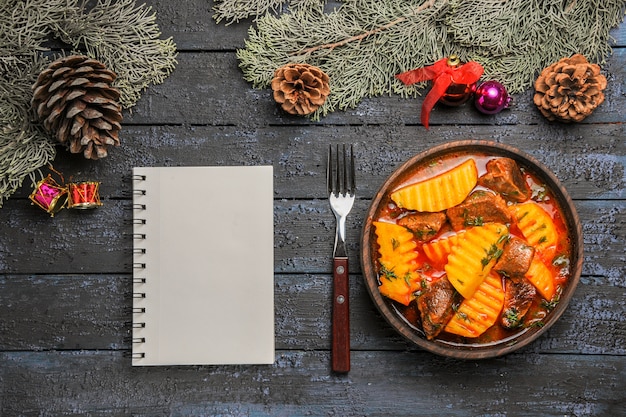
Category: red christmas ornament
[445,73]
[491,97]
[52,196]
[49,195]
[83,195]
[457,94]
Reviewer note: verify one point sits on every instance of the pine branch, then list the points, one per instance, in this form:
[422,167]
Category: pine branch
[127,39]
[24,26]
[120,34]
[364,43]
[235,10]
[232,11]
[364,35]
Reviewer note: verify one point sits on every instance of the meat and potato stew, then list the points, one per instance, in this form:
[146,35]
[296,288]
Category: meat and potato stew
[471,249]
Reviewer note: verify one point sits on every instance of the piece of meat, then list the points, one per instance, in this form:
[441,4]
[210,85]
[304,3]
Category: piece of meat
[504,176]
[424,226]
[436,306]
[516,258]
[479,208]
[519,294]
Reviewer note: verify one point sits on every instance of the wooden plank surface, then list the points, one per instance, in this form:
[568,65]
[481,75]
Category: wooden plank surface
[100,241]
[204,91]
[87,312]
[65,282]
[102,383]
[587,158]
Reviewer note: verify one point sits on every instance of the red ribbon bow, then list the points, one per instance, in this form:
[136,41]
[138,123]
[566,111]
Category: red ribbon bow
[443,75]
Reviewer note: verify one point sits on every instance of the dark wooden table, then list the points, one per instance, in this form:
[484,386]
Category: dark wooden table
[65,283]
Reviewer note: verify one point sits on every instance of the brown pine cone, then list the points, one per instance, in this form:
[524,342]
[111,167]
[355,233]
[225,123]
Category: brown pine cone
[76,102]
[570,89]
[300,88]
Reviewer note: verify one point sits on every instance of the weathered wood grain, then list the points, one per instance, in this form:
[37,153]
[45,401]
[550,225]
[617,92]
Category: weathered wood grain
[100,241]
[86,383]
[208,88]
[92,312]
[41,312]
[589,160]
[193,28]
[65,281]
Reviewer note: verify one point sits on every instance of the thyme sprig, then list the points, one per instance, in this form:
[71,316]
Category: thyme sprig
[495,251]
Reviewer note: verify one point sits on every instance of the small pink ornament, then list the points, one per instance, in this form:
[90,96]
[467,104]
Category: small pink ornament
[49,195]
[491,97]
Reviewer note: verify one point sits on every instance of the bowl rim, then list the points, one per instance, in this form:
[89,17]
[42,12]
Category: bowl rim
[519,340]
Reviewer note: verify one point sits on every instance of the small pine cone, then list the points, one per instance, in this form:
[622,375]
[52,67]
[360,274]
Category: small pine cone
[76,102]
[300,88]
[570,89]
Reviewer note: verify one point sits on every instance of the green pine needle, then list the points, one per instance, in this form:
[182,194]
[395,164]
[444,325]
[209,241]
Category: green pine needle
[118,33]
[363,44]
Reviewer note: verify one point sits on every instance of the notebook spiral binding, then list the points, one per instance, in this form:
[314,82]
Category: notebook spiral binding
[138,267]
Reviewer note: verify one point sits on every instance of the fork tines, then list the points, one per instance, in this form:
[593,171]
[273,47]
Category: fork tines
[340,171]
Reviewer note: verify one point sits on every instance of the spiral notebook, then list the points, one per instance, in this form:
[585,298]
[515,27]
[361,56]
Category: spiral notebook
[203,266]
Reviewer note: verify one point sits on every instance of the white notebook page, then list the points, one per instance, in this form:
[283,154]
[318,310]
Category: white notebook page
[209,266]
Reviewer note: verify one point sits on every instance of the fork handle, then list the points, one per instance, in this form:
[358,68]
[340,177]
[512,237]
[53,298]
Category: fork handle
[340,354]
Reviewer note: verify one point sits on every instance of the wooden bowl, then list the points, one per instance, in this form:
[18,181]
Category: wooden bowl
[469,350]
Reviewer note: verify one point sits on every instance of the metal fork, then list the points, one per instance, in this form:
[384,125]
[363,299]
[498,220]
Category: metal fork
[341,189]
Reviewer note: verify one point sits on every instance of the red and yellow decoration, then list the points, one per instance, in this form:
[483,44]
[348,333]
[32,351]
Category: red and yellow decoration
[453,82]
[83,195]
[49,195]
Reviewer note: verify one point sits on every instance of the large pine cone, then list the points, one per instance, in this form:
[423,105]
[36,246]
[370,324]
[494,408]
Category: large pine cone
[300,88]
[76,102]
[570,89]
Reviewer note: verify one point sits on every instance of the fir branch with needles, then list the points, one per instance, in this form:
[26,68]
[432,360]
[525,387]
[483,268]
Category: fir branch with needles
[24,147]
[233,11]
[118,33]
[126,39]
[363,44]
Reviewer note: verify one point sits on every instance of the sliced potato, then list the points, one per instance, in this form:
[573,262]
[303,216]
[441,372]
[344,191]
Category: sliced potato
[440,192]
[537,226]
[437,251]
[400,289]
[542,278]
[478,313]
[398,261]
[471,260]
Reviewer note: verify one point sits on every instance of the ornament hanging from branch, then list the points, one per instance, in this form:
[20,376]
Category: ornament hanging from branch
[363,44]
[491,97]
[450,77]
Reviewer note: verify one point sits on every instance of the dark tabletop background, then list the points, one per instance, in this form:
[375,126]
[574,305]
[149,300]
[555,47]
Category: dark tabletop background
[65,282]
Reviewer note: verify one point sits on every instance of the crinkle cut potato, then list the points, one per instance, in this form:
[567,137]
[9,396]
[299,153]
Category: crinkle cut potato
[485,270]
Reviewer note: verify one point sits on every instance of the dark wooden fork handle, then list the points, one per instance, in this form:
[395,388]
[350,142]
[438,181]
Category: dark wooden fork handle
[340,353]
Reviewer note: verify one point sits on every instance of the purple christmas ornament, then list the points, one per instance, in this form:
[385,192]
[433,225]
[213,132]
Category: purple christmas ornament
[491,97]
